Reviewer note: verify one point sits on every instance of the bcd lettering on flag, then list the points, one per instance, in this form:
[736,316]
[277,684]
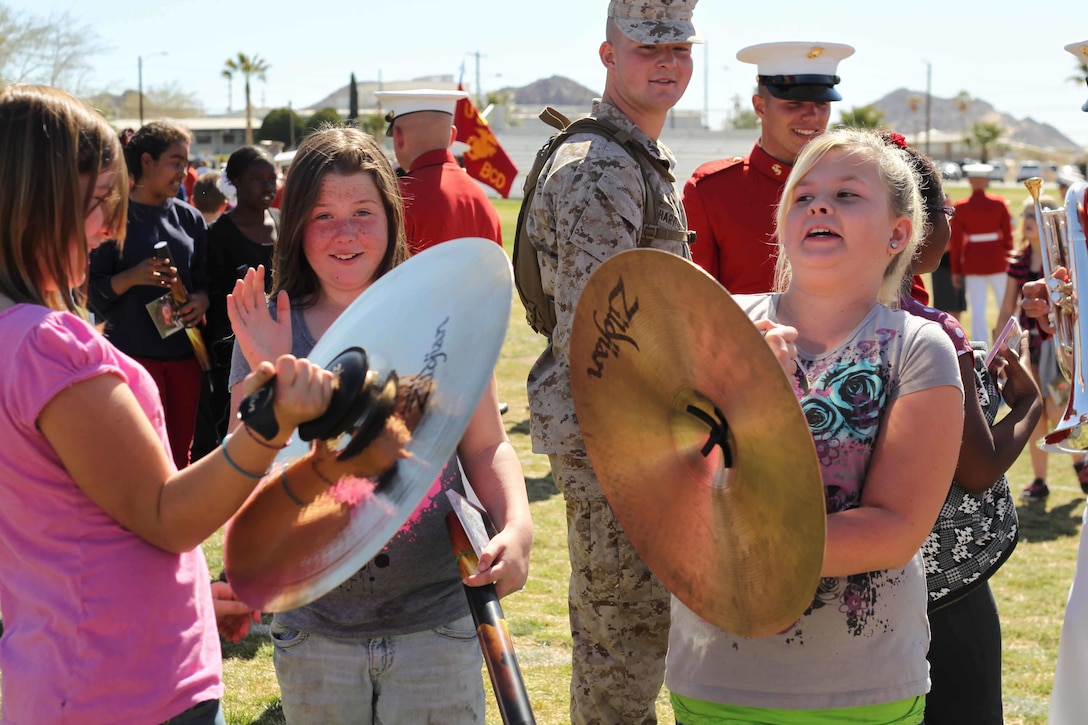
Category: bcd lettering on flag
[493,176]
[485,159]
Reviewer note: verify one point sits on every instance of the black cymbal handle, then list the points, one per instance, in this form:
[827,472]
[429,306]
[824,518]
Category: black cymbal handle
[256,411]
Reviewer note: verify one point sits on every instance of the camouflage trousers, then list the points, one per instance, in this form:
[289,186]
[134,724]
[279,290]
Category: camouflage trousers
[619,611]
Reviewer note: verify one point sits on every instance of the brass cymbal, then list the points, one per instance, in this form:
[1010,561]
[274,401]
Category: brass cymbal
[660,356]
[441,317]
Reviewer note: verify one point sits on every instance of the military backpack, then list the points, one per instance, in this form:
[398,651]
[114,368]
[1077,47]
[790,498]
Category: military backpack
[539,306]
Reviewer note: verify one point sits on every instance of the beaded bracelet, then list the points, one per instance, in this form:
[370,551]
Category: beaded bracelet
[286,490]
[234,465]
[261,442]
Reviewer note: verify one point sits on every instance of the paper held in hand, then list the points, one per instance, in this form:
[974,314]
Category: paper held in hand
[474,520]
[164,315]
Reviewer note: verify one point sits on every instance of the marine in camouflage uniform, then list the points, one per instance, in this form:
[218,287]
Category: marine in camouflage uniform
[588,206]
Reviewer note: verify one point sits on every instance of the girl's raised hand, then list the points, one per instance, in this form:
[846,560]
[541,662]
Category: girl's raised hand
[261,338]
[780,339]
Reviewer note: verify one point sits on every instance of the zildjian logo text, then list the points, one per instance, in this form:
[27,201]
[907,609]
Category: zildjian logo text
[612,329]
[423,385]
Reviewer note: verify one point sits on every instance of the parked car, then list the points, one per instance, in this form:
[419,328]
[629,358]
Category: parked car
[1027,169]
[1068,175]
[951,171]
[1001,170]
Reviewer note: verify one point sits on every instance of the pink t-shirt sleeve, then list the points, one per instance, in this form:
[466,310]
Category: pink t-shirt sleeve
[61,351]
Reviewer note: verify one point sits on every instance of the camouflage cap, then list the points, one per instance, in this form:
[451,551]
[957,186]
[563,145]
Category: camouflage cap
[655,21]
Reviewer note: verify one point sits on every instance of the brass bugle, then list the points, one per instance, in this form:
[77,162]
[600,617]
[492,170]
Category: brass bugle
[1062,244]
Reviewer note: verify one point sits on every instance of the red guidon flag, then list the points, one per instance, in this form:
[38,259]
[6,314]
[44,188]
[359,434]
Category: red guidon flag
[484,160]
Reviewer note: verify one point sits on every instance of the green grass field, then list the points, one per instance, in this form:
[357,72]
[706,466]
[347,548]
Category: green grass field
[1031,588]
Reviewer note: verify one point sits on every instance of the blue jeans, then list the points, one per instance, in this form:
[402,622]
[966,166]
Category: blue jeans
[209,712]
[429,676]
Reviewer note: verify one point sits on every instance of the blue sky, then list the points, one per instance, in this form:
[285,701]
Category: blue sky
[1013,57]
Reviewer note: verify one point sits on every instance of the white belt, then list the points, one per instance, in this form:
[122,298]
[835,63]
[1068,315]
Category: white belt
[991,237]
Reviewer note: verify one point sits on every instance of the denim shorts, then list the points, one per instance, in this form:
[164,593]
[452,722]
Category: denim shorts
[208,712]
[429,676]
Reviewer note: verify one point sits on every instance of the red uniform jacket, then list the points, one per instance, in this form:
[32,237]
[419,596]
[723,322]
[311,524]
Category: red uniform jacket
[918,290]
[981,235]
[442,202]
[731,204]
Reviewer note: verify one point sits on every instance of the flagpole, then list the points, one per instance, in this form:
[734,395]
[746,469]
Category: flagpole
[706,84]
[479,90]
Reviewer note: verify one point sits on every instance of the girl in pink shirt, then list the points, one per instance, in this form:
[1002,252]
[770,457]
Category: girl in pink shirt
[108,615]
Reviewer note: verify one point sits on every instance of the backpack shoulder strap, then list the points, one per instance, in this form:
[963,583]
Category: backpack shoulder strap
[553,118]
[648,165]
[539,307]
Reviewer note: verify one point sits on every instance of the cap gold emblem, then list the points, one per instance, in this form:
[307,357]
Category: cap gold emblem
[815,52]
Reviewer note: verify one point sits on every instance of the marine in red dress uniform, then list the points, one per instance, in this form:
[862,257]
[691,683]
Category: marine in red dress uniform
[731,203]
[979,248]
[441,201]
[981,234]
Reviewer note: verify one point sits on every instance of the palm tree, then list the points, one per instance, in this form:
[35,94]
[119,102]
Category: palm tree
[249,67]
[914,103]
[961,102]
[229,75]
[862,117]
[984,134]
[1081,72]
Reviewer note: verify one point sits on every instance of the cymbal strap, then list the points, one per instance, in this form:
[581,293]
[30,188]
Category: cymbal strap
[719,429]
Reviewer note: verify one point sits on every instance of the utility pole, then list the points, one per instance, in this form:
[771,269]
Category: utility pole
[706,84]
[929,99]
[140,80]
[479,90]
[140,85]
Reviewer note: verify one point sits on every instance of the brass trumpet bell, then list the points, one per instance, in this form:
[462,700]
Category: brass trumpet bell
[1063,244]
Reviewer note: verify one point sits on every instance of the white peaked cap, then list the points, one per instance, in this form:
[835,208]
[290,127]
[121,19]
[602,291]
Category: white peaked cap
[802,71]
[976,171]
[795,58]
[401,103]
